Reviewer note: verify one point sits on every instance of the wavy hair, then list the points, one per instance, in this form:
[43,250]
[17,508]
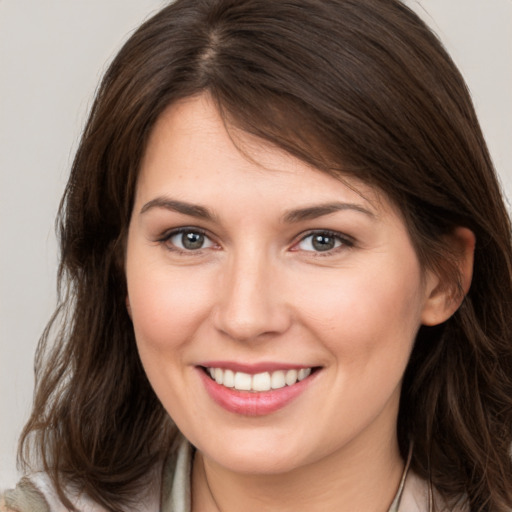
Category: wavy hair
[352,87]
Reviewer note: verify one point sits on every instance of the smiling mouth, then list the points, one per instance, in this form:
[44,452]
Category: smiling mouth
[259,382]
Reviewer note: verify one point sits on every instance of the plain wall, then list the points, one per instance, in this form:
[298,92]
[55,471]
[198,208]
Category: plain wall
[52,54]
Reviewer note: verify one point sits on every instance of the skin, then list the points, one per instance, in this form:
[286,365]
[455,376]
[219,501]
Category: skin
[258,291]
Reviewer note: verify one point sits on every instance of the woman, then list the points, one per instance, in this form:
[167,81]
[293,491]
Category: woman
[286,270]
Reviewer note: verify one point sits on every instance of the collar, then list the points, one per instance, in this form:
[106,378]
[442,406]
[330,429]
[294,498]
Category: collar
[413,495]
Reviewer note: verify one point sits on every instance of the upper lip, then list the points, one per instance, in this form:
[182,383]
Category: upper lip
[253,368]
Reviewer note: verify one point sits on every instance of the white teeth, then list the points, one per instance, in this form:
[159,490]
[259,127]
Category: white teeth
[229,379]
[264,381]
[291,377]
[303,373]
[243,381]
[261,382]
[278,380]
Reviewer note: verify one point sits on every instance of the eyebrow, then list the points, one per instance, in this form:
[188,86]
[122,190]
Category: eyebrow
[315,211]
[166,203]
[290,217]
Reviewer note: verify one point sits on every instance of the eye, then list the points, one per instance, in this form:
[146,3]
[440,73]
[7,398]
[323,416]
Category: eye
[188,240]
[322,241]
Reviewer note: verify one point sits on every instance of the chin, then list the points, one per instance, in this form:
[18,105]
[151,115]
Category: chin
[264,458]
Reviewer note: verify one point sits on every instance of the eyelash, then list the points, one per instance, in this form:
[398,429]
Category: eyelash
[166,237]
[345,242]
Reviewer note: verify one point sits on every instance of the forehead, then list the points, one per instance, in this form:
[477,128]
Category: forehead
[193,151]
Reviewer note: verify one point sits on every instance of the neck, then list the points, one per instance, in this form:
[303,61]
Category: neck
[358,477]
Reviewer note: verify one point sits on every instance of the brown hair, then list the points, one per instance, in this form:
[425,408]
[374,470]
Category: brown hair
[354,87]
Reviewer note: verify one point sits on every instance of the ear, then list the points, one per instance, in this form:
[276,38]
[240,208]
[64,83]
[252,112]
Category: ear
[443,299]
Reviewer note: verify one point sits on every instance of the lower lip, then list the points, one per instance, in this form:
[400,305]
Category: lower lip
[253,404]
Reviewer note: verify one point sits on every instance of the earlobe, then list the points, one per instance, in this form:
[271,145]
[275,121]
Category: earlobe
[443,298]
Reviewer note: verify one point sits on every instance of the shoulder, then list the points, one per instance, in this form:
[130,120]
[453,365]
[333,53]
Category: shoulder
[419,496]
[37,494]
[25,497]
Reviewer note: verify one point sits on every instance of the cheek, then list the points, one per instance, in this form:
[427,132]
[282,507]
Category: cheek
[360,314]
[368,324]
[167,305]
[168,308]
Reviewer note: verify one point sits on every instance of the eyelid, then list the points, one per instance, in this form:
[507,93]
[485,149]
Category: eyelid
[347,241]
[170,233]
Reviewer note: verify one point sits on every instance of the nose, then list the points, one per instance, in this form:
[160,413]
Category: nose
[251,301]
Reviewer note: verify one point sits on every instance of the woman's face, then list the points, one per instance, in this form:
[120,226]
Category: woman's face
[301,295]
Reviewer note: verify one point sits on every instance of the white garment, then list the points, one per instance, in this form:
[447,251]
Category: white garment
[174,495]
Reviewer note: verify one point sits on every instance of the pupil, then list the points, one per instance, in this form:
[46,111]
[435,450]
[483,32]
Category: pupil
[192,240]
[323,242]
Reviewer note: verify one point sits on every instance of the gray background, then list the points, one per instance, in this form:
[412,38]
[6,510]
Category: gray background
[52,54]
